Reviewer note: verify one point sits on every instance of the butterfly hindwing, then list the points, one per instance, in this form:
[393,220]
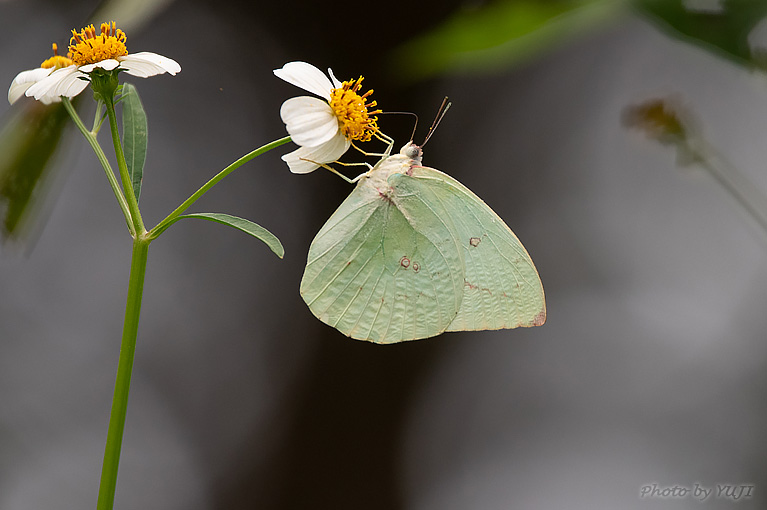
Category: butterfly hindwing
[501,287]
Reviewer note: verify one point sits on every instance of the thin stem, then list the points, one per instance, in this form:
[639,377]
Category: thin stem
[124,369]
[164,224]
[91,138]
[97,118]
[735,183]
[122,166]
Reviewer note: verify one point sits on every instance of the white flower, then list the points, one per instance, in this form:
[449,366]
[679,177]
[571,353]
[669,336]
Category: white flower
[324,130]
[26,79]
[88,51]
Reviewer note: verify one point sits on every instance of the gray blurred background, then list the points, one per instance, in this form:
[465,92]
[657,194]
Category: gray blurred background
[650,369]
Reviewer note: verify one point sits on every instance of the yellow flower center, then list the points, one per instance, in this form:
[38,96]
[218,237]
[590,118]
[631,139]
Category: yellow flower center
[56,61]
[88,47]
[355,119]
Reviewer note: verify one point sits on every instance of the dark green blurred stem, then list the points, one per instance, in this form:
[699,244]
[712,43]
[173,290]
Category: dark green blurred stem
[91,138]
[734,182]
[160,228]
[124,369]
[138,223]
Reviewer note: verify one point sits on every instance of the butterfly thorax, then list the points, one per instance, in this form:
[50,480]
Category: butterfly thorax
[376,181]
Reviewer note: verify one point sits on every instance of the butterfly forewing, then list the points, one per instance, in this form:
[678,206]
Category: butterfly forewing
[501,287]
[375,274]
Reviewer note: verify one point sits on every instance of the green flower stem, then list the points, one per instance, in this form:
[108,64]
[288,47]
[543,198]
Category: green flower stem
[164,224]
[91,138]
[122,166]
[124,369]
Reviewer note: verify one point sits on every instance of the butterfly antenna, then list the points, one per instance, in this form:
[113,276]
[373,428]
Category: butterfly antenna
[444,107]
[415,125]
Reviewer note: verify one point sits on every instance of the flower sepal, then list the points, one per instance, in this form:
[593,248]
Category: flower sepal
[104,84]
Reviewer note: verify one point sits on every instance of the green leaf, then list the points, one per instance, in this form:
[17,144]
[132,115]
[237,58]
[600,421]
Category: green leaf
[499,34]
[244,225]
[724,32]
[134,135]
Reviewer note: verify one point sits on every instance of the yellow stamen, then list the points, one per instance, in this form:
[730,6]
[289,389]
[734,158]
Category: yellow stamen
[356,118]
[88,47]
[56,61]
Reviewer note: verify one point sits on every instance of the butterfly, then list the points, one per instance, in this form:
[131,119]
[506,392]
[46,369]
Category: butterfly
[412,253]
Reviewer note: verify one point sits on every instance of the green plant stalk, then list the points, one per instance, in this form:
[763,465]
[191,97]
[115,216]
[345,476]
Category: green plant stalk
[124,370]
[91,138]
[122,166]
[165,223]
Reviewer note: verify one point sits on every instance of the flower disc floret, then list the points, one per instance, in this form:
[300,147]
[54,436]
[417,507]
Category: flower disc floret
[89,47]
[56,61]
[356,118]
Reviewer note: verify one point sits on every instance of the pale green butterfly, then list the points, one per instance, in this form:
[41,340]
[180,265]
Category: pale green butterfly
[412,253]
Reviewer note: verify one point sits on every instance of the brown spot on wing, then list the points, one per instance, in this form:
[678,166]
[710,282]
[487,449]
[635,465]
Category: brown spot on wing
[540,319]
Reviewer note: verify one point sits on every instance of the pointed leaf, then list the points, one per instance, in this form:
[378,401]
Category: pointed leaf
[134,135]
[244,225]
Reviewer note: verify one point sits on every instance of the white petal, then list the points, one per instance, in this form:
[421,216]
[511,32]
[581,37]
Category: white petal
[307,159]
[336,84]
[107,65]
[308,120]
[145,64]
[62,82]
[307,77]
[24,80]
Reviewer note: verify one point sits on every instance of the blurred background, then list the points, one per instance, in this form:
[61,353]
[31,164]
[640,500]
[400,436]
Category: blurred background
[650,369]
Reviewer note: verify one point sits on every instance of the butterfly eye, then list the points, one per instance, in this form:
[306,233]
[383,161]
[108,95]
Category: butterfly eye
[412,151]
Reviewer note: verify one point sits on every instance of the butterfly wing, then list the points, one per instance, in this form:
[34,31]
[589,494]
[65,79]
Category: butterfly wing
[375,274]
[501,287]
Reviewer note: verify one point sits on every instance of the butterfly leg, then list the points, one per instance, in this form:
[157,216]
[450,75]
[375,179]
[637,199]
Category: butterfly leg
[342,176]
[387,140]
[360,176]
[376,154]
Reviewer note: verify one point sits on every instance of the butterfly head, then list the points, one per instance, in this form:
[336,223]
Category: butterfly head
[413,152]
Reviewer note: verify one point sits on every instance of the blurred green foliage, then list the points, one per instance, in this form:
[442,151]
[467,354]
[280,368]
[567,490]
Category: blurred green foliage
[500,34]
[28,140]
[503,33]
[724,31]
